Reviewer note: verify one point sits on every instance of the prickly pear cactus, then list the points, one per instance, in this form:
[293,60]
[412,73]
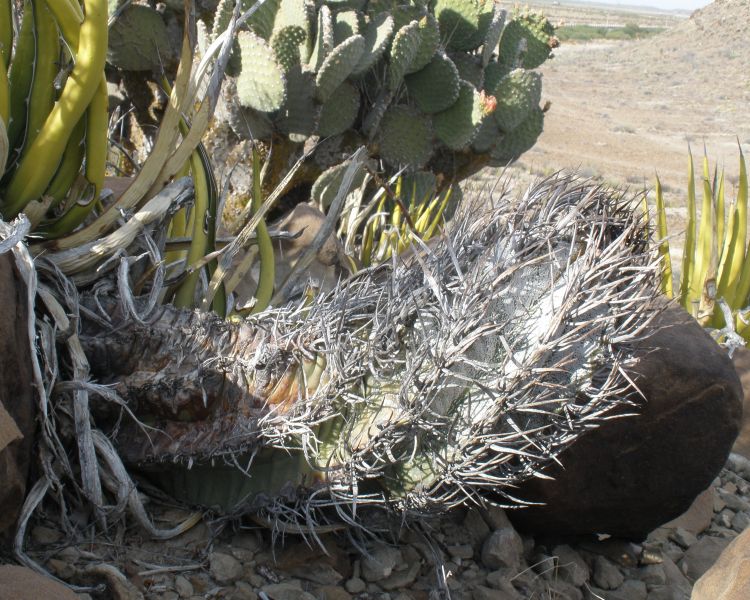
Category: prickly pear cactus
[446,86]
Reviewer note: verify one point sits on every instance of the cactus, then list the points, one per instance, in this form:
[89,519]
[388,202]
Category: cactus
[138,39]
[414,82]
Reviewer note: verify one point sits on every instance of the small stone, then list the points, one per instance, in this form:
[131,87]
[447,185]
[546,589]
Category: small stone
[502,548]
[224,568]
[169,595]
[462,551]
[84,597]
[248,540]
[683,538]
[497,518]
[63,569]
[606,575]
[719,504]
[673,551]
[544,565]
[631,589]
[664,592]
[740,522]
[286,590]
[183,587]
[355,585]
[734,502]
[485,593]
[380,563]
[730,487]
[498,580]
[244,591]
[45,535]
[332,592]
[562,590]
[475,527]
[725,532]
[652,575]
[724,518]
[400,579]
[570,566]
[675,578]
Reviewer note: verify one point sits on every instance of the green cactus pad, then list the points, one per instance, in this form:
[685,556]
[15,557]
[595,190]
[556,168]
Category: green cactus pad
[469,68]
[418,187]
[298,115]
[262,20]
[493,73]
[377,36]
[435,87]
[338,66]
[260,84]
[403,51]
[339,112]
[372,119]
[456,126]
[286,45]
[138,40]
[522,138]
[405,137]
[346,23]
[327,184]
[540,40]
[222,16]
[323,40]
[517,95]
[429,42]
[463,23]
[486,137]
[494,32]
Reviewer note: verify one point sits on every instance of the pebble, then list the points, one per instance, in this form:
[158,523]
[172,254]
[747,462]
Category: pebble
[355,585]
[224,568]
[570,566]
[740,522]
[683,538]
[183,587]
[653,575]
[380,562]
[502,548]
[286,591]
[606,575]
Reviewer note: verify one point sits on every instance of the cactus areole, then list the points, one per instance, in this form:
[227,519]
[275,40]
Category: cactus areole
[461,369]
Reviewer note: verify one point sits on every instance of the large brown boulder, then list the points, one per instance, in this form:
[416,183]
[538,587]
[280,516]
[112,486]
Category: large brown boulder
[16,396]
[741,360]
[633,474]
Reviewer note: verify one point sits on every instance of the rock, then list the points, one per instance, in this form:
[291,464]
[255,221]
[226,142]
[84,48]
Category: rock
[619,552]
[355,585]
[633,474]
[664,592]
[561,590]
[17,399]
[740,463]
[475,527]
[676,579]
[683,538]
[243,591]
[502,548]
[652,575]
[224,568]
[729,577]
[496,517]
[630,589]
[20,583]
[400,579]
[701,556]
[248,540]
[380,562]
[570,566]
[606,575]
[332,592]
[183,587]
[485,593]
[45,535]
[733,502]
[498,580]
[286,591]
[697,518]
[740,522]
[462,551]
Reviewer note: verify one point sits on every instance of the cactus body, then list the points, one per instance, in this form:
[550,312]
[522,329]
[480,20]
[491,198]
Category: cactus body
[517,95]
[338,66]
[435,87]
[406,137]
[339,112]
[261,83]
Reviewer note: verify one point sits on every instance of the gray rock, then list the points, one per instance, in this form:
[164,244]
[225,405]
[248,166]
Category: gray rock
[740,522]
[502,548]
[475,527]
[485,593]
[664,592]
[631,589]
[683,537]
[739,464]
[570,566]
[380,562]
[169,595]
[332,592]
[544,565]
[243,591]
[652,575]
[725,518]
[560,590]
[183,587]
[355,585]
[286,591]
[734,502]
[400,579]
[462,551]
[719,504]
[249,540]
[224,568]
[496,517]
[45,535]
[676,579]
[701,556]
[606,575]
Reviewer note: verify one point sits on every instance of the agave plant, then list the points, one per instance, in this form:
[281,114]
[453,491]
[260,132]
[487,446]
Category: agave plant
[414,386]
[714,281]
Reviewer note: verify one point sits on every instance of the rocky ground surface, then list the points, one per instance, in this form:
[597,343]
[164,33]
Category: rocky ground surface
[473,555]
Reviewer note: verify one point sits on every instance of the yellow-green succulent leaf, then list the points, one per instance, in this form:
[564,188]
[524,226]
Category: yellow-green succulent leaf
[688,253]
[662,233]
[6,34]
[743,288]
[266,277]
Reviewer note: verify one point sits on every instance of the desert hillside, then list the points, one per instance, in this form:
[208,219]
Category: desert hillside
[623,110]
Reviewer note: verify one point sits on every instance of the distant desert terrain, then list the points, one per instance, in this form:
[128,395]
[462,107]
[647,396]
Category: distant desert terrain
[623,111]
